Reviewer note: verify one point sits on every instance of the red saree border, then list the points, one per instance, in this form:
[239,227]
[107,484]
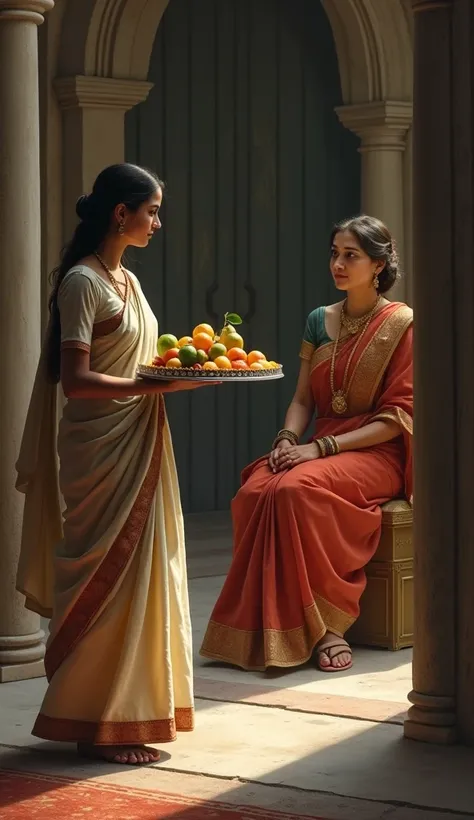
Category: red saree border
[108,573]
[111,733]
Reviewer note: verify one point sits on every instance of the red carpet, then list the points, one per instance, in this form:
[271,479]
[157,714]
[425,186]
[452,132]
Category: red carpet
[41,797]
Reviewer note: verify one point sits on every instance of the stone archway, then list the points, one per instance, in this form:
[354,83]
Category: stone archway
[103,60]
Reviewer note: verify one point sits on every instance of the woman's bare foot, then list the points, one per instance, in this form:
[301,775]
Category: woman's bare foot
[333,653]
[130,755]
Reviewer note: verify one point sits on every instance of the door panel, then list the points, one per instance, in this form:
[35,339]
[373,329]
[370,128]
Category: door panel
[241,125]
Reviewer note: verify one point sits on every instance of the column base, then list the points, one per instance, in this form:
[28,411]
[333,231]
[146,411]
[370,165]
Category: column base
[432,719]
[13,672]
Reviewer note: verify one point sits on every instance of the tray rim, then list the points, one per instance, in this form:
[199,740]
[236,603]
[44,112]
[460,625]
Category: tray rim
[188,374]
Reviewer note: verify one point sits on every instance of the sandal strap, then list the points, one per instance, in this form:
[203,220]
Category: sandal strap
[343,647]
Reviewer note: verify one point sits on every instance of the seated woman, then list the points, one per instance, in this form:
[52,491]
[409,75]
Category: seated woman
[307,518]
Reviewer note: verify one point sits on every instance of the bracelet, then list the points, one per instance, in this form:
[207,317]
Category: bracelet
[289,435]
[328,446]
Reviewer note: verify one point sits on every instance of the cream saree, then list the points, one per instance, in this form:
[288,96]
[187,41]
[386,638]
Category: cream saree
[110,571]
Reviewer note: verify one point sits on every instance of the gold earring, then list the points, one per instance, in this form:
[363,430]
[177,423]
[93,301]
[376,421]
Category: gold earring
[121,228]
[375,281]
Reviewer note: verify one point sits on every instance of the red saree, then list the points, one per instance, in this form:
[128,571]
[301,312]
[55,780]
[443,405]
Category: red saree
[303,537]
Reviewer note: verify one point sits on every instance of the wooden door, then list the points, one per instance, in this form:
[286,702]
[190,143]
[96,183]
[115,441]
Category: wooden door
[241,125]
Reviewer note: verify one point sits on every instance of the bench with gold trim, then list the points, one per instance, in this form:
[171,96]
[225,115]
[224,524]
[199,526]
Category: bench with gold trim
[386,607]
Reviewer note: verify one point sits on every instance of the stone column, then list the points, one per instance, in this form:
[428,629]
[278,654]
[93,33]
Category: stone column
[432,717]
[21,640]
[93,130]
[382,128]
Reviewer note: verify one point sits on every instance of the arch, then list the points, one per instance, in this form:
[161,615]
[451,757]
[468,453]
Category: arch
[114,38]
[374,46]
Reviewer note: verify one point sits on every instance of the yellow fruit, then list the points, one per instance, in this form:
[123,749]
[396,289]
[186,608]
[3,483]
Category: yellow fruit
[185,340]
[273,365]
[203,329]
[223,363]
[209,366]
[256,366]
[230,338]
[267,365]
[256,356]
[173,363]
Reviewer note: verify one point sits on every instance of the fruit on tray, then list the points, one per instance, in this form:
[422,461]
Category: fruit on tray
[209,350]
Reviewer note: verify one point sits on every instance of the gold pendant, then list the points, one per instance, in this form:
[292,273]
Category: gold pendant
[339,403]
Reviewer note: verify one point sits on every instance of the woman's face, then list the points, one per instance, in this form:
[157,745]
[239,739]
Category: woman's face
[350,266]
[140,226]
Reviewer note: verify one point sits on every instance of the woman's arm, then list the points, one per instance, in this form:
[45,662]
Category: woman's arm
[80,382]
[376,432]
[301,409]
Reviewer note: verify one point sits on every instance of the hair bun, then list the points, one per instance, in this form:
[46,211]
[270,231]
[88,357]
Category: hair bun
[83,206]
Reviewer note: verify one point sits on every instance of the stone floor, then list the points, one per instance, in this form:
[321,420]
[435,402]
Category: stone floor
[295,740]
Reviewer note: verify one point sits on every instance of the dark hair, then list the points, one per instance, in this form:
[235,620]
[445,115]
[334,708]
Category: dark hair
[119,184]
[376,241]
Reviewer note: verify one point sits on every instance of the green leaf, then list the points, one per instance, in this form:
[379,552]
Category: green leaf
[233,319]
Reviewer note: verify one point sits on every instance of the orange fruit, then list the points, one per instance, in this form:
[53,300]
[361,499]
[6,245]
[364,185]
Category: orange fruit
[170,354]
[204,329]
[256,366]
[256,356]
[223,363]
[209,366]
[185,340]
[239,364]
[173,363]
[236,353]
[203,341]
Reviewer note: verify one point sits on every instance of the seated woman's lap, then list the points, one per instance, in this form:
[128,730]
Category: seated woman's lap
[359,477]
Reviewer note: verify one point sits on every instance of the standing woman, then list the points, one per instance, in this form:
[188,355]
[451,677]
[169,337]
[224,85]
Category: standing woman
[112,574]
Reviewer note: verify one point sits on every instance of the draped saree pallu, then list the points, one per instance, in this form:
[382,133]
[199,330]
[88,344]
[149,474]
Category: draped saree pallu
[303,537]
[111,574]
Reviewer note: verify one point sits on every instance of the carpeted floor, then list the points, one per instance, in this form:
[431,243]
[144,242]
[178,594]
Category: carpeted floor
[41,797]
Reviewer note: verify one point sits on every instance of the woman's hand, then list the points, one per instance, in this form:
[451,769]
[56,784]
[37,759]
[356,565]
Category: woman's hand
[276,455]
[293,455]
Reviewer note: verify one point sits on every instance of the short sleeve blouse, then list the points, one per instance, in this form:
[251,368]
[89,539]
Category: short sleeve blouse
[79,298]
[314,333]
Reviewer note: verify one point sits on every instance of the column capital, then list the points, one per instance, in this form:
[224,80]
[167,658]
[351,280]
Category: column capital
[27,11]
[100,92]
[381,125]
[430,5]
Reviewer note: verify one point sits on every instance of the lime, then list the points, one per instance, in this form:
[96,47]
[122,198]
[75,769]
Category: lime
[188,355]
[202,357]
[217,350]
[166,342]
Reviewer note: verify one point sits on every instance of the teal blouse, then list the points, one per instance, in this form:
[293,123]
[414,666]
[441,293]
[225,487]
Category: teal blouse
[315,330]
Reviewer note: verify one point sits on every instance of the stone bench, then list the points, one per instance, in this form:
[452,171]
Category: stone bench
[386,607]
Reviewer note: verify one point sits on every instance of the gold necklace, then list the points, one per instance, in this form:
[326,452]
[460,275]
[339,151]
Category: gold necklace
[353,325]
[339,397]
[113,281]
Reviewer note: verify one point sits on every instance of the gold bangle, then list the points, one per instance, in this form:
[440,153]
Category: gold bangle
[289,434]
[322,447]
[337,448]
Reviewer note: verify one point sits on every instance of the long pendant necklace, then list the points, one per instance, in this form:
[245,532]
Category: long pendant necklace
[339,397]
[113,281]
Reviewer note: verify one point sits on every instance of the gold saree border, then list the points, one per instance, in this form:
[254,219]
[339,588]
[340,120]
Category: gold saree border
[75,344]
[256,650]
[111,733]
[373,361]
[116,560]
[306,350]
[397,415]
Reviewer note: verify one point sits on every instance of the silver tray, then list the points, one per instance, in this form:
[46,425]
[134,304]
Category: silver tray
[189,374]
